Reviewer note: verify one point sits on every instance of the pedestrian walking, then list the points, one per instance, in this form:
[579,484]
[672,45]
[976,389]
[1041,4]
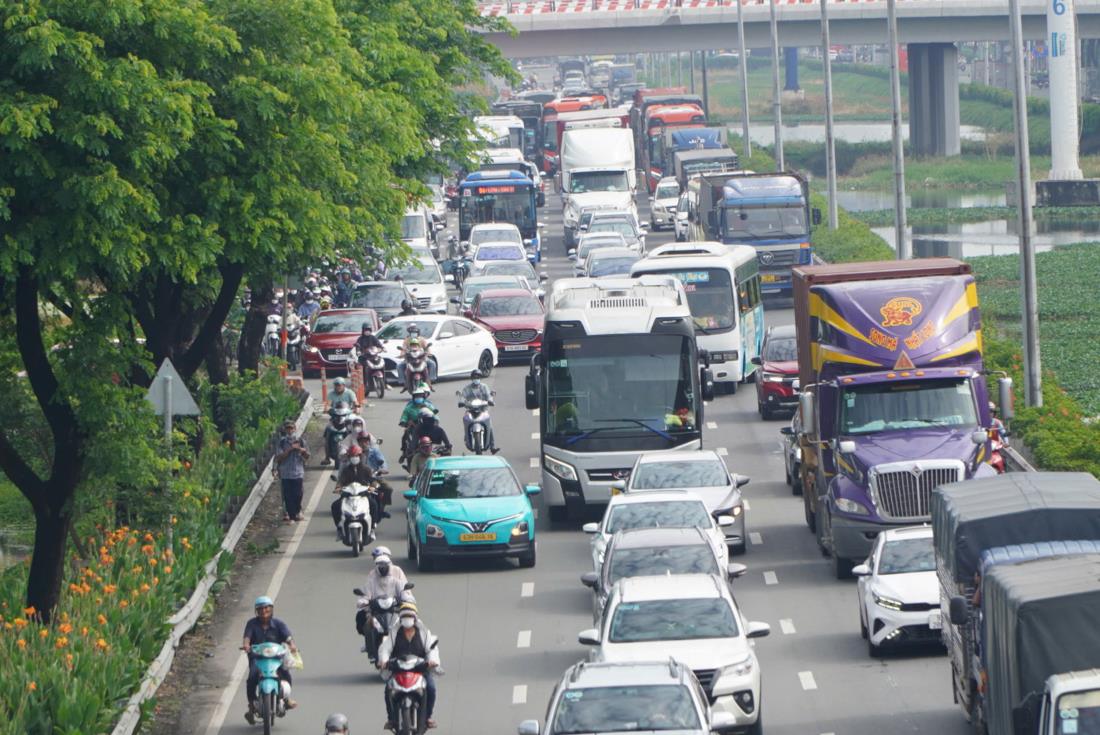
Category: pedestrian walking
[290,460]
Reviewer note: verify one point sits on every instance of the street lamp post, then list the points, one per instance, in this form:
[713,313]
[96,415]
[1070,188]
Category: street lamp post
[900,239]
[830,147]
[777,106]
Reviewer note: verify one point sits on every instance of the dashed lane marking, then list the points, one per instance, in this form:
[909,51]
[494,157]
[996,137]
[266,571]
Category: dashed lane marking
[534,463]
[534,412]
[722,451]
[523,640]
[527,589]
[755,538]
[519,694]
[787,626]
[807,680]
[712,424]
[534,435]
[770,578]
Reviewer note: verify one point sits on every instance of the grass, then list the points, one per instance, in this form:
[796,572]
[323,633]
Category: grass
[917,216]
[958,172]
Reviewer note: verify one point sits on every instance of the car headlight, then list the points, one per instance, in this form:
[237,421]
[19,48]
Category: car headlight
[433,531]
[312,350]
[725,679]
[773,377]
[439,298]
[521,529]
[562,469]
[851,506]
[887,602]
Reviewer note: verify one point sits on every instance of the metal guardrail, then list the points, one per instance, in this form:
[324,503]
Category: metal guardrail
[185,618]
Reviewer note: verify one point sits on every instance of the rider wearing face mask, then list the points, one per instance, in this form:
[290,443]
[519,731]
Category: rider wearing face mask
[385,580]
[410,638]
[476,390]
[355,470]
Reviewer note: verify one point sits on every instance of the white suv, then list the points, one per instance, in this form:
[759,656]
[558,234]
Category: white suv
[693,619]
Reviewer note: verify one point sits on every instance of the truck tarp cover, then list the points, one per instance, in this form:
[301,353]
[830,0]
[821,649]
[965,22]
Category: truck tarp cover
[1013,508]
[1041,618]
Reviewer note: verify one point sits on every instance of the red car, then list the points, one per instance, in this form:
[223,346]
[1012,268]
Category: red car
[779,368]
[515,317]
[331,338]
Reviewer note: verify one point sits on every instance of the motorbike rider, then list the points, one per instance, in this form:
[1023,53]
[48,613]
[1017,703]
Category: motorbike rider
[427,428]
[356,435]
[345,287]
[412,638]
[264,628]
[337,724]
[385,580]
[341,396]
[309,307]
[374,459]
[335,430]
[476,390]
[411,414]
[367,340]
[407,308]
[356,470]
[414,341]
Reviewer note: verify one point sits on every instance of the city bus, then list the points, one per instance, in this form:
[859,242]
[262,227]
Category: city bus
[722,283]
[618,374]
[500,196]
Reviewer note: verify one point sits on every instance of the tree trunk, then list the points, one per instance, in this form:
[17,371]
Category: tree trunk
[217,361]
[252,333]
[51,532]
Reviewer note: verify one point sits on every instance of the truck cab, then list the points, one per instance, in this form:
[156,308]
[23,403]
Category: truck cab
[1071,704]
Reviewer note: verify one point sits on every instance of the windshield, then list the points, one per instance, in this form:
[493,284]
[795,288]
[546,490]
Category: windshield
[490,482]
[415,273]
[672,620]
[501,234]
[710,297]
[583,182]
[504,252]
[509,306]
[744,223]
[588,244]
[866,409]
[659,514]
[516,207]
[621,385]
[694,559]
[330,323]
[1079,713]
[665,475]
[781,350]
[378,297]
[413,226]
[667,191]
[907,555]
[623,228]
[612,266]
[470,290]
[399,330]
[521,268]
[625,708]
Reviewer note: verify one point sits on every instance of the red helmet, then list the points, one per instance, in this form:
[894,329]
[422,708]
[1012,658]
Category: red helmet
[355,450]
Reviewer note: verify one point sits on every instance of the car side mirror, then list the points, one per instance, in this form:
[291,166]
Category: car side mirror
[528,727]
[440,226]
[544,276]
[741,480]
[583,228]
[571,253]
[449,278]
[847,446]
[590,580]
[957,610]
[796,385]
[757,630]
[619,486]
[409,494]
[591,528]
[735,570]
[725,521]
[532,489]
[456,301]
[861,570]
[590,637]
[787,431]
[756,361]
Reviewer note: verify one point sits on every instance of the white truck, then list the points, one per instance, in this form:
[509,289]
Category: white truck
[597,173]
[1071,704]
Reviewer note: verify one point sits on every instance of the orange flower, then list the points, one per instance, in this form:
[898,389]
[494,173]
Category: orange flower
[123,603]
[84,630]
[101,618]
[43,634]
[168,569]
[109,589]
[31,687]
[101,644]
[148,536]
[131,541]
[65,628]
[173,520]
[147,549]
[152,562]
[20,623]
[61,642]
[7,626]
[29,611]
[144,587]
[69,660]
[21,643]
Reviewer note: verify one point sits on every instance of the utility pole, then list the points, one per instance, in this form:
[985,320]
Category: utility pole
[777,106]
[830,146]
[1033,386]
[693,72]
[743,65]
[902,242]
[706,88]
[680,68]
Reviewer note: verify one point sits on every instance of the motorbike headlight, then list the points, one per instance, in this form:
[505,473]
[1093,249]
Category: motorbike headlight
[562,469]
[845,505]
[521,529]
[887,602]
[433,531]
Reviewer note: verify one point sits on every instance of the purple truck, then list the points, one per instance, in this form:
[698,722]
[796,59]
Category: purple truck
[894,398]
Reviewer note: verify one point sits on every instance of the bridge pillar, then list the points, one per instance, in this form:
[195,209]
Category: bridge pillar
[934,99]
[790,69]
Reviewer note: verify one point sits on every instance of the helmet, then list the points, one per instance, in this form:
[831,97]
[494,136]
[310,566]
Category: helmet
[382,559]
[336,722]
[263,601]
[355,450]
[426,413]
[406,305]
[408,606]
[421,389]
[476,375]
[380,551]
[311,283]
[340,381]
[368,327]
[412,328]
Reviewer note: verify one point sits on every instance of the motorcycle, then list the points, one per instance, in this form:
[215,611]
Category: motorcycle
[998,441]
[295,336]
[416,368]
[273,692]
[375,368]
[270,345]
[382,614]
[477,424]
[407,689]
[338,423]
[356,524]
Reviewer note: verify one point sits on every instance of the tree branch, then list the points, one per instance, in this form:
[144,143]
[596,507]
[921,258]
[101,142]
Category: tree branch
[197,351]
[19,472]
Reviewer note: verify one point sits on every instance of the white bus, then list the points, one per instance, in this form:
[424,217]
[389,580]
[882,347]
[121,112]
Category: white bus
[723,290]
[618,375]
[499,131]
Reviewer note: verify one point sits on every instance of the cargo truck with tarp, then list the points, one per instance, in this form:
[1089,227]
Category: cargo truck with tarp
[981,525]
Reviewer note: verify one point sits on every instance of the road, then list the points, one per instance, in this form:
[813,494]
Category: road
[508,634]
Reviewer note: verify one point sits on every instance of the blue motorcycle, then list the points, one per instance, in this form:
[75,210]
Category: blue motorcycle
[273,693]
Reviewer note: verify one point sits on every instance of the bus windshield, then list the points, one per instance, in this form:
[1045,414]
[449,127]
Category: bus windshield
[608,387]
[516,207]
[749,223]
[710,298]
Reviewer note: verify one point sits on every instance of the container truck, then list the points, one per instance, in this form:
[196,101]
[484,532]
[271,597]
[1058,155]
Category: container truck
[893,395]
[597,174]
[981,525]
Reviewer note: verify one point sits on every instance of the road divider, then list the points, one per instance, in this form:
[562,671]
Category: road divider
[755,538]
[787,626]
[527,589]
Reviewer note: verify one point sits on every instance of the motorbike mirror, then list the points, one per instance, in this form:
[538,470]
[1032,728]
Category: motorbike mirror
[409,586]
[359,592]
[409,495]
[449,278]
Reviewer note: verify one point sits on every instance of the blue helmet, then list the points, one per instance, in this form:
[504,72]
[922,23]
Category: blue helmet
[264,601]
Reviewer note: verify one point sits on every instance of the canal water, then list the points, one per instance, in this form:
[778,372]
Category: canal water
[11,552]
[850,132]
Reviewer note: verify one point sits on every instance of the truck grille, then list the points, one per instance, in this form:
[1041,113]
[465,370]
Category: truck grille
[515,336]
[617,303]
[903,490]
[777,258]
[423,302]
[609,475]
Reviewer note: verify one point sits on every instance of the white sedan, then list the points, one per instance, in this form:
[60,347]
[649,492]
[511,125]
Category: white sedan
[899,596]
[457,345]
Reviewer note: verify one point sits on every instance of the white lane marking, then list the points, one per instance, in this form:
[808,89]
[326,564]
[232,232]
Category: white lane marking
[534,463]
[807,679]
[755,538]
[534,412]
[534,435]
[527,589]
[523,640]
[712,424]
[787,626]
[770,578]
[746,504]
[240,670]
[722,451]
[519,694]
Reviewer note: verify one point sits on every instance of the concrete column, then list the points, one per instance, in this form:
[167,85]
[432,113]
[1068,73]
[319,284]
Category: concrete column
[1062,66]
[790,69]
[934,99]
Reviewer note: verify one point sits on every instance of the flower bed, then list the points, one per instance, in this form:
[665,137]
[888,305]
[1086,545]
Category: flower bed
[75,675]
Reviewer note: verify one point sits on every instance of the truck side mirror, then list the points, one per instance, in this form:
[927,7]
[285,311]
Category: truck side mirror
[957,610]
[530,392]
[806,405]
[706,380]
[815,214]
[1006,397]
[712,220]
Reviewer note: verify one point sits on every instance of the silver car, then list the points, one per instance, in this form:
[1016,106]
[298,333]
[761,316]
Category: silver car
[660,695]
[623,223]
[587,243]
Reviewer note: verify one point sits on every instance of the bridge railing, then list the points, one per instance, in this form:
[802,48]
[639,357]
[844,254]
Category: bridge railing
[530,7]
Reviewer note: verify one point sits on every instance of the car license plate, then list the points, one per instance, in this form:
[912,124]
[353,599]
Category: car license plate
[768,278]
[935,620]
[477,537]
[514,348]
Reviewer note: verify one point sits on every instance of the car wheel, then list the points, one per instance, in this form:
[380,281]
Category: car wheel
[811,517]
[787,474]
[527,560]
[424,563]
[872,650]
[842,567]
[767,413]
[757,728]
[310,373]
[410,548]
[485,363]
[796,482]
[862,625]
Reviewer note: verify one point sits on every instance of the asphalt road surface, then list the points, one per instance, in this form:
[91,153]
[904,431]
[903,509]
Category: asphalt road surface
[508,634]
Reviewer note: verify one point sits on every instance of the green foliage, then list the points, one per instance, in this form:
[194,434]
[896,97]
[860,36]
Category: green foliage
[850,242]
[922,216]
